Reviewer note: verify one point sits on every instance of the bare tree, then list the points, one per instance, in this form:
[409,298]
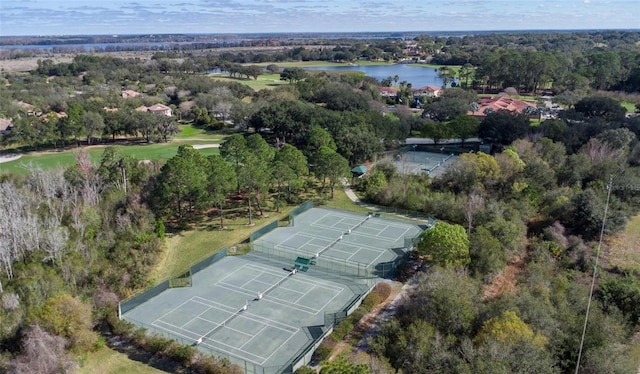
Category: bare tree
[475,202]
[42,353]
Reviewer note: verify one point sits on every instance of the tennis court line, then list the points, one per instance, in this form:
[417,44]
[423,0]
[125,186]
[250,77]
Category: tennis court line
[292,236]
[198,316]
[281,345]
[360,249]
[258,318]
[214,344]
[230,328]
[314,282]
[247,342]
[172,310]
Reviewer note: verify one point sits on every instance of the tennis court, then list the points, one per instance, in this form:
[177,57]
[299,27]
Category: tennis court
[416,162]
[341,240]
[249,312]
[267,311]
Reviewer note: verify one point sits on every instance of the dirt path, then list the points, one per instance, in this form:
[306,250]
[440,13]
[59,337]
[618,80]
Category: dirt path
[372,322]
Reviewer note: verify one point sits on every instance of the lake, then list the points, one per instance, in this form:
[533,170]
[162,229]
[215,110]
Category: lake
[416,75]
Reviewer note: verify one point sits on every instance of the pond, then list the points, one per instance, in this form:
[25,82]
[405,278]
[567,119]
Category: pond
[416,75]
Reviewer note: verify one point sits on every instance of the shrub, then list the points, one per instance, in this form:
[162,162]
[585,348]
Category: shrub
[181,354]
[156,344]
[342,329]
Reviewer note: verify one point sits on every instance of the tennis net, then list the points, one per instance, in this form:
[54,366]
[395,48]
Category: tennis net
[222,324]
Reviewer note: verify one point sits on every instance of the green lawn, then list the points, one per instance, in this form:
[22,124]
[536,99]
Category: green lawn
[623,252]
[630,107]
[185,248]
[109,361]
[190,131]
[263,81]
[51,159]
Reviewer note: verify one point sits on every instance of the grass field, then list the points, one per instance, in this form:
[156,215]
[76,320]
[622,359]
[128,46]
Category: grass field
[51,159]
[109,361]
[188,247]
[630,107]
[623,248]
[264,81]
[189,131]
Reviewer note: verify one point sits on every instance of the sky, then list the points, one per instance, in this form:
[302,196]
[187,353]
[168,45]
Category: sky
[102,17]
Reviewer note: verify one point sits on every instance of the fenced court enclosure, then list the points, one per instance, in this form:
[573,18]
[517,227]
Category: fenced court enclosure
[268,310]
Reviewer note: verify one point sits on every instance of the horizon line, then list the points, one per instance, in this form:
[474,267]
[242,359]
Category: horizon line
[328,32]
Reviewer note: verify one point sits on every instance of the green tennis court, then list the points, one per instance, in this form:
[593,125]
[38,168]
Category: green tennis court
[267,310]
[344,241]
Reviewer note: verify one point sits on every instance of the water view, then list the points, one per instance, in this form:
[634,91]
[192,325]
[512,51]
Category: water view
[416,75]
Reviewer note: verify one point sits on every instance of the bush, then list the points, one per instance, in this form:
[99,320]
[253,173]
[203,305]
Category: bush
[181,354]
[342,329]
[157,344]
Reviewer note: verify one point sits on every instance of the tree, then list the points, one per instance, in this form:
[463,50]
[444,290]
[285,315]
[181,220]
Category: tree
[234,150]
[42,353]
[509,329]
[93,125]
[221,181]
[601,107]
[454,102]
[273,69]
[182,182]
[255,176]
[118,169]
[487,255]
[464,127]
[446,74]
[435,131]
[331,165]
[294,165]
[503,127]
[445,244]
[69,317]
[293,75]
[166,127]
[465,72]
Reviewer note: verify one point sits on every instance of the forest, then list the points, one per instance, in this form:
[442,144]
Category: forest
[507,275]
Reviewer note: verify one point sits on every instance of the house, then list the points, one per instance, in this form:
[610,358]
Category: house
[157,109]
[130,93]
[388,92]
[427,91]
[487,104]
[5,125]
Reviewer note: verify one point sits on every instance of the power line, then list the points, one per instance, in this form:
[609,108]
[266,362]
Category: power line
[595,271]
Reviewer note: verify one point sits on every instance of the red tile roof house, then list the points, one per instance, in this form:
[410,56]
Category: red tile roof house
[388,92]
[427,91]
[493,104]
[156,108]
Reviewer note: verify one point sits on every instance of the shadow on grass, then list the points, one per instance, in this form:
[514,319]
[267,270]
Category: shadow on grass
[140,355]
